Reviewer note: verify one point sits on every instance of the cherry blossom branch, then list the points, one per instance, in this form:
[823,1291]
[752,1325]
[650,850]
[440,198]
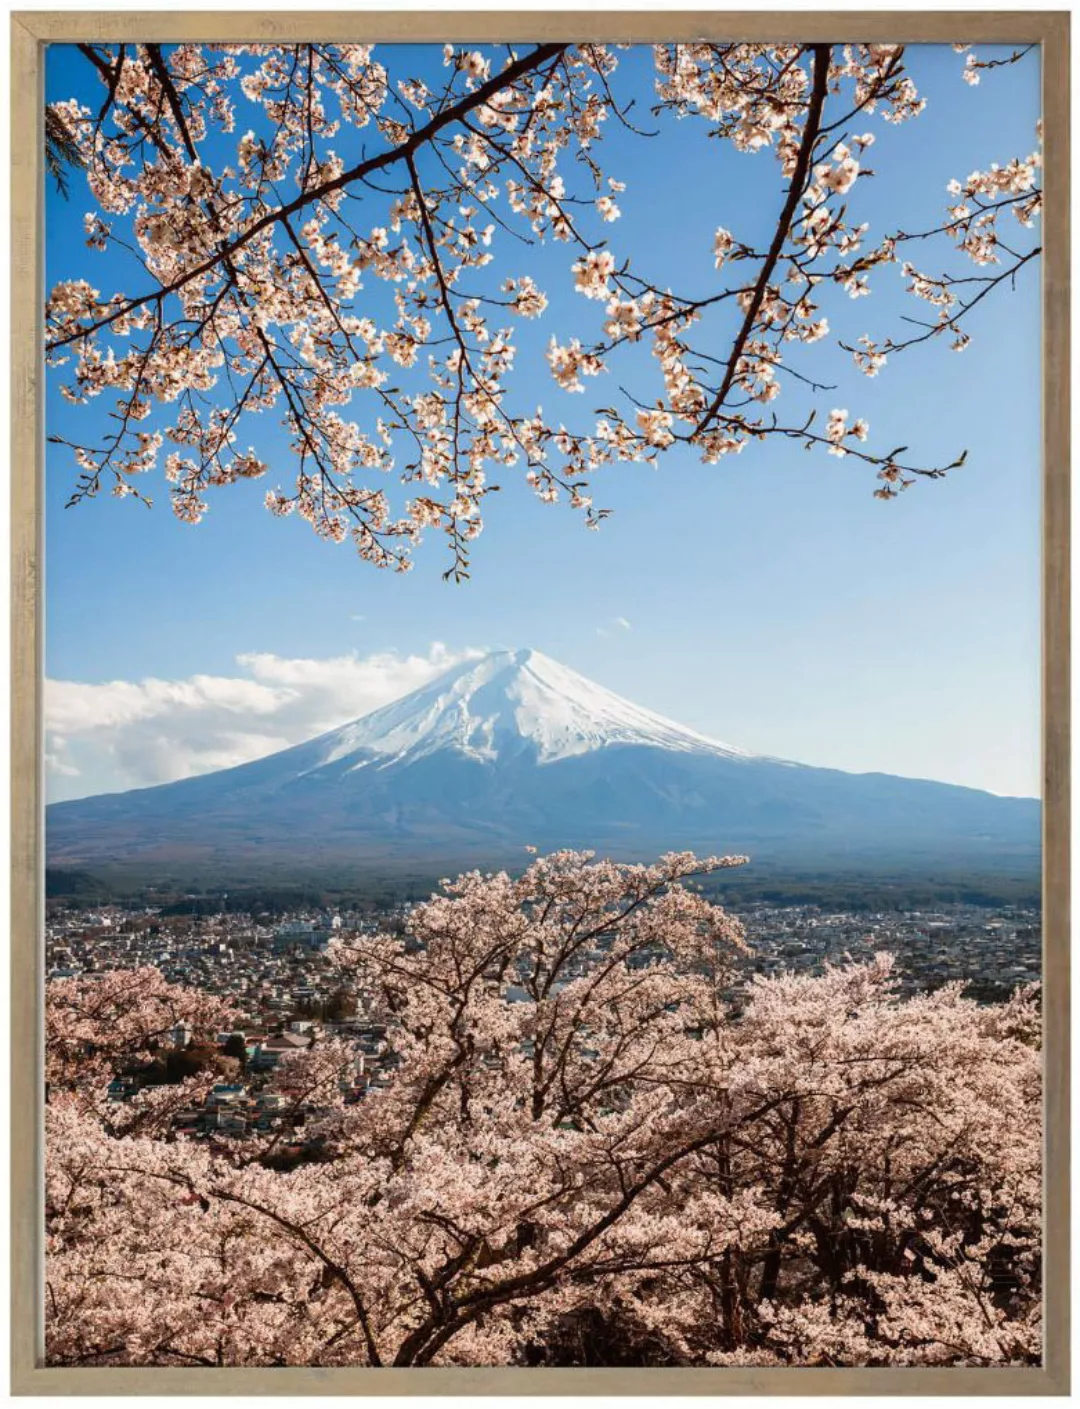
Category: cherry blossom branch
[811,129]
[518,69]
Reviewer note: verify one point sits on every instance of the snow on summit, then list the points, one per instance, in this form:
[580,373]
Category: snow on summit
[504,704]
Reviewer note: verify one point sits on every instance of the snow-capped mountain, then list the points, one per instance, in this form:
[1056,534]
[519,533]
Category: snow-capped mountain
[502,705]
[514,749]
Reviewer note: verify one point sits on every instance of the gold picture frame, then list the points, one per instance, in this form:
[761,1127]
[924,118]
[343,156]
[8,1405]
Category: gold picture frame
[31,32]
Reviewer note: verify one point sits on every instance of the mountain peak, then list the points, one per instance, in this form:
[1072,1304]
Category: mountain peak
[509,657]
[508,702]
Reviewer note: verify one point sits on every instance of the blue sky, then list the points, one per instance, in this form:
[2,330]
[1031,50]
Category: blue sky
[769,601]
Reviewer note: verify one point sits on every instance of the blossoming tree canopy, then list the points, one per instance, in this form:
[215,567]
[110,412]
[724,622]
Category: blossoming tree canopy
[832,1176]
[347,240]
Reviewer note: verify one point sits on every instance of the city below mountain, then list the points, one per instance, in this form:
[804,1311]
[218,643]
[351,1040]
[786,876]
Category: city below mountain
[515,750]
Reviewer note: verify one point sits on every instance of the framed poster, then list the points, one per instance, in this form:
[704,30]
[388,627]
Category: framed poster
[412,993]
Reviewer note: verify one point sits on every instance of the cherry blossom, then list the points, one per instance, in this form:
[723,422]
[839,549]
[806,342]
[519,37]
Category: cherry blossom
[315,240]
[584,1136]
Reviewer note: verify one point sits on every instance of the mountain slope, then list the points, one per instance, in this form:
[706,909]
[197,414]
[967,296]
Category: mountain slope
[514,750]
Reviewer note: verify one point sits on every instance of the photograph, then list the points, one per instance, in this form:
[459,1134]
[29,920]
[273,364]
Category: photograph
[544,745]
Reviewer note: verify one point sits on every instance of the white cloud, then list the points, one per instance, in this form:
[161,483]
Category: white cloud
[131,734]
[617,621]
